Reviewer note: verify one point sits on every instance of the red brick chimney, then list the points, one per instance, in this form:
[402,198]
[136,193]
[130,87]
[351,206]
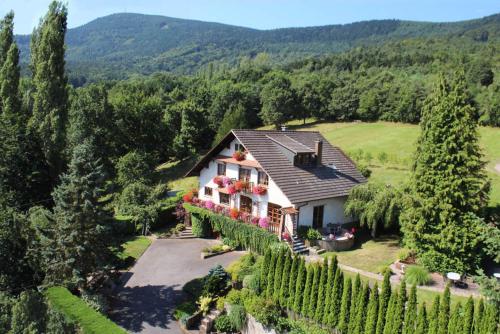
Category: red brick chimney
[318,149]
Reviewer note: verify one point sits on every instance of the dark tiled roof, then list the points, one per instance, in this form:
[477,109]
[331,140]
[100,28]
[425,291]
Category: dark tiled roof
[297,183]
[290,143]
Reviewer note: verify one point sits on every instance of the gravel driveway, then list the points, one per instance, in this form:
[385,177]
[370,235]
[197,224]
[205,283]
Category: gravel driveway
[152,288]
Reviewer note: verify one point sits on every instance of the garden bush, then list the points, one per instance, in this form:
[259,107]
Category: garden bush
[247,236]
[223,324]
[263,310]
[251,282]
[238,297]
[417,275]
[200,227]
[238,317]
[216,282]
[313,234]
[185,310]
[245,265]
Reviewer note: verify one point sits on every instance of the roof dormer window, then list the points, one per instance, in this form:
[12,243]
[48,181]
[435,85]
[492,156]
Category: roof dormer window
[305,159]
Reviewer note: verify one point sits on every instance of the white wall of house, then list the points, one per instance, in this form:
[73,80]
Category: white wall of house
[259,203]
[333,212]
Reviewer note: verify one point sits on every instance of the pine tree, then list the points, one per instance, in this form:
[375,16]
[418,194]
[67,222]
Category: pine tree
[449,181]
[444,312]
[336,298]
[411,312]
[399,313]
[478,317]
[50,98]
[28,313]
[385,295]
[285,279]
[278,273]
[80,248]
[434,316]
[270,275]
[328,292]
[313,299]
[345,307]
[372,311]
[292,282]
[299,286]
[468,317]
[264,270]
[358,326]
[454,326]
[307,290]
[391,310]
[422,320]
[322,291]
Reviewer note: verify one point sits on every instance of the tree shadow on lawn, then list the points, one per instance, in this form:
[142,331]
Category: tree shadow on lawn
[151,304]
[363,236]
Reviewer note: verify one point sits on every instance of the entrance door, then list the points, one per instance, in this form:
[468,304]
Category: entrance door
[246,204]
[318,216]
[274,216]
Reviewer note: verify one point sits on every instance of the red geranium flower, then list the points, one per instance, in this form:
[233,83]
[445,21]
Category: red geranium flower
[239,156]
[234,213]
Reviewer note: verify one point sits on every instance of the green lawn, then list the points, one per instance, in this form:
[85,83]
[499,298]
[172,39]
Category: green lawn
[77,311]
[173,174]
[370,255]
[134,247]
[397,141]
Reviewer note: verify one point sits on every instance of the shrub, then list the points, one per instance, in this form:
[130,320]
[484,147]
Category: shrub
[185,309]
[404,254]
[384,269]
[251,282]
[194,287]
[263,310]
[238,317]
[231,243]
[180,227]
[95,301]
[204,304]
[220,303]
[223,324]
[245,265]
[302,232]
[364,170]
[216,282]
[416,275]
[313,234]
[200,227]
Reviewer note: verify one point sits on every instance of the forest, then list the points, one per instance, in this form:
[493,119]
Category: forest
[77,150]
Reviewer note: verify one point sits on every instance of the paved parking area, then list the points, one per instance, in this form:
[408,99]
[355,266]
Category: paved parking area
[151,289]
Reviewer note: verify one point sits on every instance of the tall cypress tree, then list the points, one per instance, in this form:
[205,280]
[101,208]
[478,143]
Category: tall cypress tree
[454,325]
[422,320]
[9,71]
[391,310]
[50,98]
[358,326]
[264,270]
[328,292]
[322,291]
[345,306]
[307,290]
[444,312]
[411,312]
[299,286]
[292,281]
[332,318]
[478,317]
[449,182]
[356,290]
[490,319]
[277,275]
[434,316]
[372,311]
[80,247]
[399,313]
[285,278]
[6,35]
[313,299]
[468,316]
[270,275]
[385,295]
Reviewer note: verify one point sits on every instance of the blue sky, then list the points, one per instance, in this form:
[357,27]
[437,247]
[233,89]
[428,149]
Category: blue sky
[261,14]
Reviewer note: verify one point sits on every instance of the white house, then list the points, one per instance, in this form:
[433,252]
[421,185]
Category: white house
[301,179]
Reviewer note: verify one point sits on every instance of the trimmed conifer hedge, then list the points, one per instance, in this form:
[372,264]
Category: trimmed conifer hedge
[247,236]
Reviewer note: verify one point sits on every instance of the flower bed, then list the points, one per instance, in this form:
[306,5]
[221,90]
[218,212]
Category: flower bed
[244,234]
[259,190]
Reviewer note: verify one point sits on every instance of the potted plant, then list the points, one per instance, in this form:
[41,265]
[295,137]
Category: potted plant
[240,185]
[218,181]
[313,236]
[239,156]
[231,189]
[234,213]
[259,190]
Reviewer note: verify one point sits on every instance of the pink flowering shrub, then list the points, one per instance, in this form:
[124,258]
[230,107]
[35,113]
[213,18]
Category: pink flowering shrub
[254,221]
[264,222]
[209,205]
[285,236]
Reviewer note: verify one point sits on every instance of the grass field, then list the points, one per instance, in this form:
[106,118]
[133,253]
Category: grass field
[134,247]
[397,142]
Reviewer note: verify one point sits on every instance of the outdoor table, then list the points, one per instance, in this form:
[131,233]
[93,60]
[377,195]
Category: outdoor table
[497,275]
[454,277]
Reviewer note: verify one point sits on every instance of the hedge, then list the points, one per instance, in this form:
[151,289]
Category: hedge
[77,311]
[247,236]
[200,227]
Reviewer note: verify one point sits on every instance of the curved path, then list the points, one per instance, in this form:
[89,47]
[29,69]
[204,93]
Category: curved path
[144,303]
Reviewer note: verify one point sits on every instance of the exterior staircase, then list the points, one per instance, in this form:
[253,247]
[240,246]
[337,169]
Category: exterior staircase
[208,321]
[298,246]
[186,234]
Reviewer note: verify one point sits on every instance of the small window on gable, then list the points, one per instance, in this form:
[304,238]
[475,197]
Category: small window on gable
[208,191]
[221,169]
[263,178]
[239,147]
[223,198]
